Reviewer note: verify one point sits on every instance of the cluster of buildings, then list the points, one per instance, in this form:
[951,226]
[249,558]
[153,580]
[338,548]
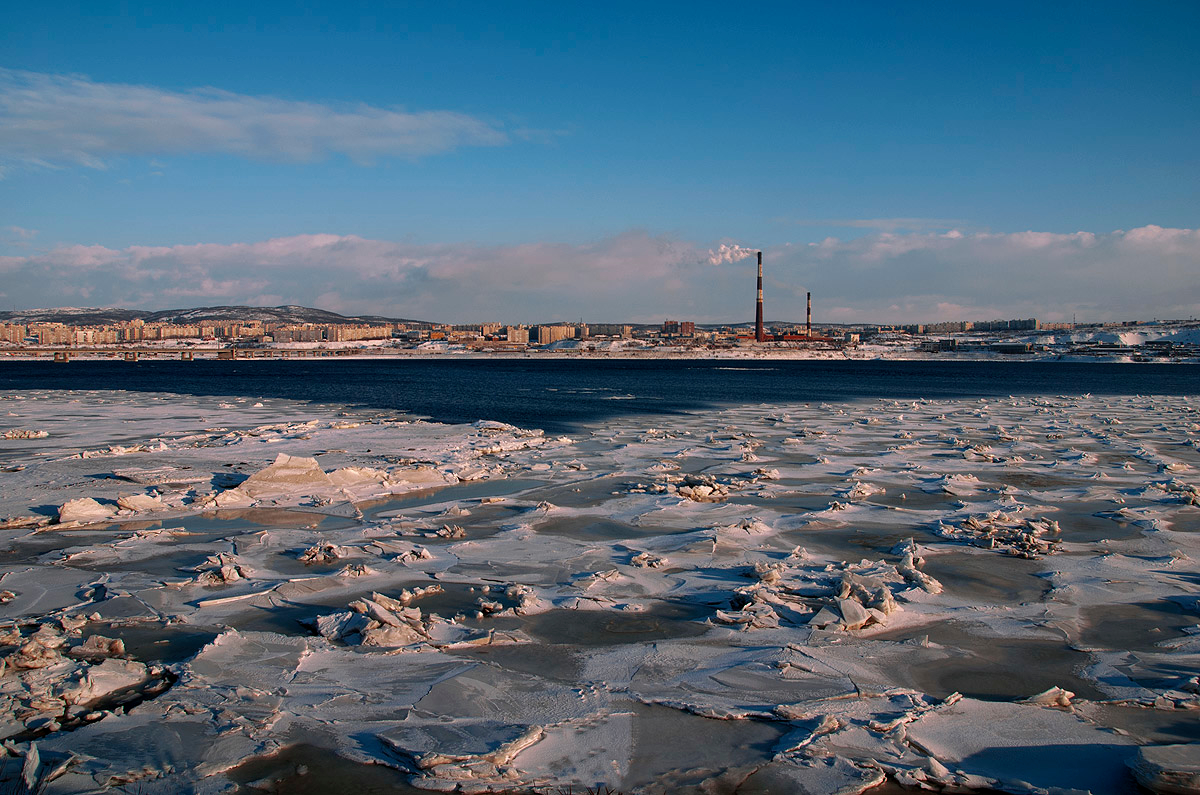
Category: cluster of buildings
[138,331]
[521,335]
[482,335]
[958,327]
[671,332]
[996,336]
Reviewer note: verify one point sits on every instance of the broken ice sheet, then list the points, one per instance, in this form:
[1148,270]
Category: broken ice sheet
[573,624]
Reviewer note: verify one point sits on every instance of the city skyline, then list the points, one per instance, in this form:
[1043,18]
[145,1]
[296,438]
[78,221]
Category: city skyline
[903,165]
[86,326]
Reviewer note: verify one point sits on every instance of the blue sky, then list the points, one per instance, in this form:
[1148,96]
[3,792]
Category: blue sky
[154,149]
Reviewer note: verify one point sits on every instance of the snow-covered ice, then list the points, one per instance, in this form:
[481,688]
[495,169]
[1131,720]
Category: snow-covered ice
[951,595]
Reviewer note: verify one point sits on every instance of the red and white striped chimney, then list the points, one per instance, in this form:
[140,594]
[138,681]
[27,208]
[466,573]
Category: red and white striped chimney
[759,333]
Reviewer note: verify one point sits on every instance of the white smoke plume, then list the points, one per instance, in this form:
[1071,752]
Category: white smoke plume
[728,254]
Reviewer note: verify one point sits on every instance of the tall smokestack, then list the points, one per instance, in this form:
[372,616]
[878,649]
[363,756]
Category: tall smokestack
[759,333]
[808,321]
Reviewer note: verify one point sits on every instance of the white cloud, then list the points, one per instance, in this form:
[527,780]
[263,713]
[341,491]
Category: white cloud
[53,120]
[628,276]
[1141,273]
[642,277]
[887,224]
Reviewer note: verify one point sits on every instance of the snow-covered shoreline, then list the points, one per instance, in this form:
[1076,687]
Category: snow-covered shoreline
[1144,343]
[833,593]
[462,352]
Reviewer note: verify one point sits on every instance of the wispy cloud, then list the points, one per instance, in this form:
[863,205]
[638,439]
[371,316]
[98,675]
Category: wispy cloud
[17,236]
[888,224]
[57,120]
[19,233]
[638,276]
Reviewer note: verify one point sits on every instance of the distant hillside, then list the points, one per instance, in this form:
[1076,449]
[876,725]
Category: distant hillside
[75,316]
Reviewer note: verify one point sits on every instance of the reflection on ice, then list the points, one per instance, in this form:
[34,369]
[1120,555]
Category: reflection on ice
[609,628]
[712,748]
[304,769]
[966,595]
[154,642]
[975,577]
[1140,626]
[973,662]
[596,529]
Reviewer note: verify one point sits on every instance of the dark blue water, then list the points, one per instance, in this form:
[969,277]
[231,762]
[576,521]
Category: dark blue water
[558,394]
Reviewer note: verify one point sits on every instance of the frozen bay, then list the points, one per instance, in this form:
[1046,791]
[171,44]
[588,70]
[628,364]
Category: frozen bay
[202,592]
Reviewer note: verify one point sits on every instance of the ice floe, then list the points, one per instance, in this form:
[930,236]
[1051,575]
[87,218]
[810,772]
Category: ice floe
[809,594]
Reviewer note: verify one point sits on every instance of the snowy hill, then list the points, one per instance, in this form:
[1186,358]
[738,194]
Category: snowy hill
[76,316]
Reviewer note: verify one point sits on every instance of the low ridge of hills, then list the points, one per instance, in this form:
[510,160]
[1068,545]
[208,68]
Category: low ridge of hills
[290,314]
